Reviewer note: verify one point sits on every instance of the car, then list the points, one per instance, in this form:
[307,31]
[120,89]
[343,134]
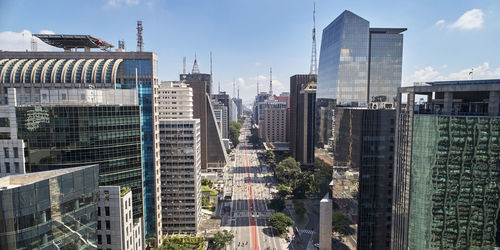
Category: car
[316,245]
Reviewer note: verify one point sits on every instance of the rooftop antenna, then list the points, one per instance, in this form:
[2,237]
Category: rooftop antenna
[233,88]
[210,62]
[219,87]
[121,45]
[238,91]
[34,44]
[271,81]
[140,42]
[184,65]
[314,68]
[257,87]
[196,69]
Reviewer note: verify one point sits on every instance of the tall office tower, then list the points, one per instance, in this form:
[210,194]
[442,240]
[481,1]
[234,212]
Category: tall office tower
[272,126]
[239,106]
[63,128]
[234,111]
[175,101]
[223,98]
[28,72]
[365,141]
[50,210]
[213,153]
[221,116]
[302,117]
[116,227]
[325,119]
[446,172]
[358,64]
[180,144]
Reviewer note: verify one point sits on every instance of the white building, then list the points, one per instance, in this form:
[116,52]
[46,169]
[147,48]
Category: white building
[11,148]
[175,101]
[116,228]
[234,111]
[180,160]
[221,116]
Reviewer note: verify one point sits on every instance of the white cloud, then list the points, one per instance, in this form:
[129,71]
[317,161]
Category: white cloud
[428,74]
[258,64]
[258,78]
[14,41]
[440,22]
[472,19]
[120,3]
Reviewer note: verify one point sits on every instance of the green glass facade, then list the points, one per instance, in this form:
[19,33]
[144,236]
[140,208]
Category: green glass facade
[56,211]
[59,137]
[455,175]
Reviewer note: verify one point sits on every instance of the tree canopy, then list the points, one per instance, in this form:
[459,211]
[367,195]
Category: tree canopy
[277,204]
[340,223]
[280,221]
[222,239]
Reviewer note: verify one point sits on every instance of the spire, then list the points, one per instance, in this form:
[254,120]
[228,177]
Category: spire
[196,69]
[184,65]
[314,68]
[210,63]
[219,87]
[271,81]
[257,87]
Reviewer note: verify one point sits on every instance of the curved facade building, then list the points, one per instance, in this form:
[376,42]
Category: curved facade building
[28,72]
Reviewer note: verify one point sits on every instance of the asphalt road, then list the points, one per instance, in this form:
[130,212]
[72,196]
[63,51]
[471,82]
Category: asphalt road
[248,215]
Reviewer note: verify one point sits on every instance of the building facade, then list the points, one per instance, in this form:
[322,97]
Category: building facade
[357,63]
[365,142]
[54,209]
[29,72]
[273,126]
[180,143]
[175,101]
[446,171]
[302,117]
[116,227]
[221,117]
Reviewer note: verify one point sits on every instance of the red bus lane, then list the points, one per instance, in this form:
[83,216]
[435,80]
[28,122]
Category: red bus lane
[253,228]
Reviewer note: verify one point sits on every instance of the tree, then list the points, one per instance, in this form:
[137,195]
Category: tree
[221,239]
[322,176]
[206,182]
[277,204]
[205,202]
[301,188]
[270,157]
[300,210]
[280,221]
[340,223]
[177,242]
[288,171]
[234,132]
[283,190]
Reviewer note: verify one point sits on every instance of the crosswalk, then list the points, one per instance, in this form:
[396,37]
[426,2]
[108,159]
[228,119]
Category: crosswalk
[306,231]
[254,214]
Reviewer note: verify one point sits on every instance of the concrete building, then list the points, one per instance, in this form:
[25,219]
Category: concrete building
[116,227]
[446,171]
[223,97]
[50,210]
[180,143]
[302,118]
[325,223]
[221,117]
[180,153]
[359,64]
[239,105]
[233,111]
[272,127]
[213,154]
[29,72]
[175,101]
[365,142]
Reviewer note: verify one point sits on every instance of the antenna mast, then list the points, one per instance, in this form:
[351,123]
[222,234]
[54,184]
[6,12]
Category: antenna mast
[140,42]
[219,87]
[271,81]
[196,69]
[184,65]
[121,45]
[314,68]
[210,63]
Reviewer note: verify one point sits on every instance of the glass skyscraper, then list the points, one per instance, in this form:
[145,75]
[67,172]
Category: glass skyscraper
[50,210]
[28,72]
[359,64]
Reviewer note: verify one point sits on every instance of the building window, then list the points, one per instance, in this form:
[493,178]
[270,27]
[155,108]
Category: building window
[108,225]
[16,152]
[98,211]
[16,166]
[98,225]
[106,210]
[99,239]
[108,238]
[7,167]
[6,152]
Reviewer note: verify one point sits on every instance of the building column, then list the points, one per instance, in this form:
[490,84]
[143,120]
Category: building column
[494,103]
[448,103]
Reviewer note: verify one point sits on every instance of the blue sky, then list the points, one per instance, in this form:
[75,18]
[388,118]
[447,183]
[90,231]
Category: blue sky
[445,39]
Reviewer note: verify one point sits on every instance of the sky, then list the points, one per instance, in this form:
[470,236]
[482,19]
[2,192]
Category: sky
[444,41]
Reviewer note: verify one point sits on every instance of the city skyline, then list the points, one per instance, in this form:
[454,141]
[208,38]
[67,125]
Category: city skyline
[263,35]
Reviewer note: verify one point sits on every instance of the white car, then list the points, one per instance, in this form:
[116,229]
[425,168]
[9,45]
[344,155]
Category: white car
[316,245]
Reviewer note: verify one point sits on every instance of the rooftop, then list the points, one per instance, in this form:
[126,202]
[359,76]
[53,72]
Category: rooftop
[486,81]
[13,181]
[68,42]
